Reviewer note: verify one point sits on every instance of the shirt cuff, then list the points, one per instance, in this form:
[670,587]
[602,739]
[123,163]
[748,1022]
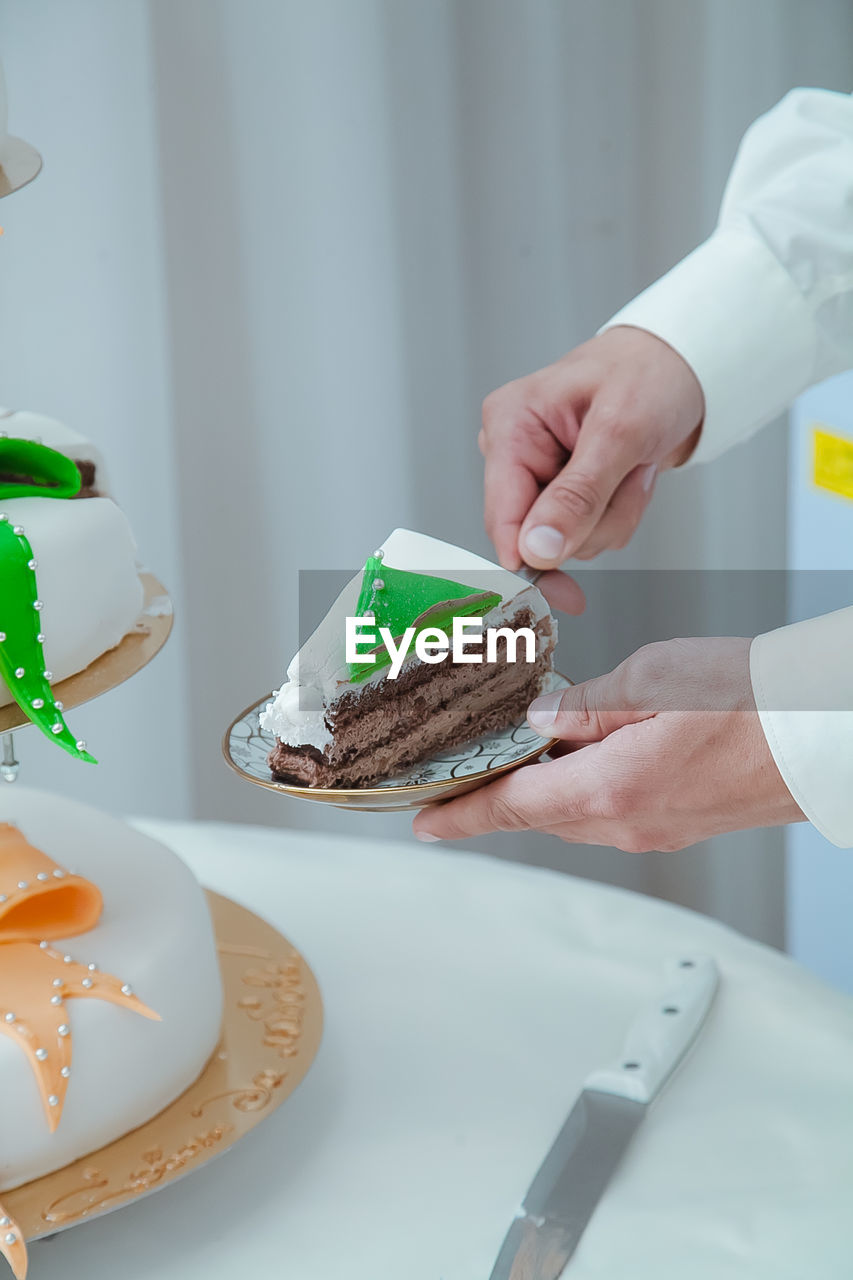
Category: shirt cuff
[734,314]
[802,680]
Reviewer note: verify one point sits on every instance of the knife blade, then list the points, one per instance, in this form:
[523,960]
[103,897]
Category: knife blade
[613,1103]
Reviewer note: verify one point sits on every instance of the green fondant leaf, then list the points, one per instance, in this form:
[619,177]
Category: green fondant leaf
[412,599]
[30,470]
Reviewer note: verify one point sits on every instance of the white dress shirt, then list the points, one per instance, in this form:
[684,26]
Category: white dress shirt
[760,311]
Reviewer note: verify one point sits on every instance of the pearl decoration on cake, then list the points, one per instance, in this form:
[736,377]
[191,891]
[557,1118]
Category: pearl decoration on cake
[127,989]
[56,999]
[38,605]
[58,872]
[38,703]
[41,1054]
[57,982]
[23,884]
[10,1237]
[9,1017]
[52,1100]
[42,875]
[63,1029]
[65,1072]
[87,983]
[48,675]
[19,673]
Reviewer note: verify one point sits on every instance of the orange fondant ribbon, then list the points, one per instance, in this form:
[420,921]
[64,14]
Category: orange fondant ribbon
[39,903]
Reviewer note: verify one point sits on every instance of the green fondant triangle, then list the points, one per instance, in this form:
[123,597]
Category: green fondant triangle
[403,599]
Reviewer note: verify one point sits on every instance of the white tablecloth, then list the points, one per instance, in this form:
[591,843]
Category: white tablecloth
[465,1001]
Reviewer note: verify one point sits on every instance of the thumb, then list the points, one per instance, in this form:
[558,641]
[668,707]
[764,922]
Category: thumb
[568,510]
[585,712]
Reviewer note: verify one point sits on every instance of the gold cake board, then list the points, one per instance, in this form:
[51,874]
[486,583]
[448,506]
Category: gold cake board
[272,1027]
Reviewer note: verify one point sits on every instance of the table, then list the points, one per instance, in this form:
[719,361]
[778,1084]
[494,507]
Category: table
[465,1001]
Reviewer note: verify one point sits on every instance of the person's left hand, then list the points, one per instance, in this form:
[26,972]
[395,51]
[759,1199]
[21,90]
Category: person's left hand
[663,752]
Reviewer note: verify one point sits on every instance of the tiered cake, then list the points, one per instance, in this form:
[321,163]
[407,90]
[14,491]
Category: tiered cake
[110,989]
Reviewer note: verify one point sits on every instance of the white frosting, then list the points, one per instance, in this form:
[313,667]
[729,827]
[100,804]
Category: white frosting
[87,575]
[318,672]
[155,933]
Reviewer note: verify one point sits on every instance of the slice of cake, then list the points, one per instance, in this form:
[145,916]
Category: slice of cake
[340,722]
[69,583]
[110,988]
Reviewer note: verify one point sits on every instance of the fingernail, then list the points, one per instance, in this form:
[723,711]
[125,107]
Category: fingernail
[426,837]
[649,476]
[542,712]
[544,543]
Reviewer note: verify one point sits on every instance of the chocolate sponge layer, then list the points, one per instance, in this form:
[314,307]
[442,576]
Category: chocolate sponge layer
[386,726]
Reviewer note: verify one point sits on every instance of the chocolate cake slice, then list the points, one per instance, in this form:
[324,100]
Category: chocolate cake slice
[340,723]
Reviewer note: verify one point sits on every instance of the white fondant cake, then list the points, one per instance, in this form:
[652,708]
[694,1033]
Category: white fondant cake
[87,572]
[155,934]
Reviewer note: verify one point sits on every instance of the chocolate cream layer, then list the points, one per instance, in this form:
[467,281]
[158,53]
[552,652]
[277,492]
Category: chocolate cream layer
[378,731]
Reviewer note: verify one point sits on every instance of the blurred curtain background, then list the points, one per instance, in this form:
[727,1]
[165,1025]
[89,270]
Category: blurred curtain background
[277,256]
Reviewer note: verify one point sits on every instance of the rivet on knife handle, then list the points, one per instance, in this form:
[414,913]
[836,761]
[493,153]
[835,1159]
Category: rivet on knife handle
[661,1036]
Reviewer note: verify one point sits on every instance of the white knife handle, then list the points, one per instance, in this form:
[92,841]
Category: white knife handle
[660,1037]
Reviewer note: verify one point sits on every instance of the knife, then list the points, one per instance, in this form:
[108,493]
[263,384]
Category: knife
[564,1194]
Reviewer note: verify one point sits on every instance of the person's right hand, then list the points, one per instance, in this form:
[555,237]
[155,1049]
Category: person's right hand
[573,450]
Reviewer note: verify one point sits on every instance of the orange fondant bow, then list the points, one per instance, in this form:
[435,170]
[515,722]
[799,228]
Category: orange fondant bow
[39,903]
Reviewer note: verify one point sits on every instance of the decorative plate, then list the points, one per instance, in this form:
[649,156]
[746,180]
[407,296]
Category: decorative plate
[142,643]
[246,747]
[272,1027]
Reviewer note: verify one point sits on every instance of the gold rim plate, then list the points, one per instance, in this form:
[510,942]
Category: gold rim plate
[142,643]
[452,773]
[272,1028]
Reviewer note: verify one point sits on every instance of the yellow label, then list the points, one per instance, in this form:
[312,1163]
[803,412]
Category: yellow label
[833,462]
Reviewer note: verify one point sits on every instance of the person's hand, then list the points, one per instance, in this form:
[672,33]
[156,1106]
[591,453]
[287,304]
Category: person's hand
[573,450]
[668,750]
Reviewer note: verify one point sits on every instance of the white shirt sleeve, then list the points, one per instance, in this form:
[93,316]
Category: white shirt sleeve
[802,679]
[760,311]
[764,308]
